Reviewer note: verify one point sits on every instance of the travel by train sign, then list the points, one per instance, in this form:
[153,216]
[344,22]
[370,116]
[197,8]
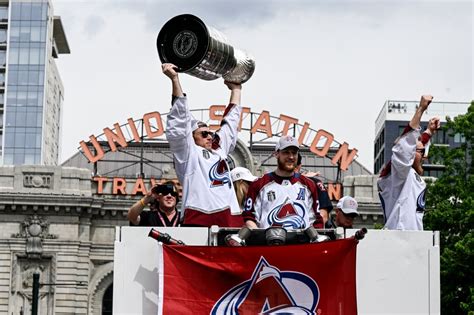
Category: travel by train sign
[255,127]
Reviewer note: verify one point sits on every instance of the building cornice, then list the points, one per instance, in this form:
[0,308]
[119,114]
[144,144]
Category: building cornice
[63,204]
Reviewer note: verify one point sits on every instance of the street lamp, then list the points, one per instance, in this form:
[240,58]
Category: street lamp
[36,285]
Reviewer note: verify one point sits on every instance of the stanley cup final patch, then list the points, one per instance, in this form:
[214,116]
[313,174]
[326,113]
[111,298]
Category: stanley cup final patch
[271,195]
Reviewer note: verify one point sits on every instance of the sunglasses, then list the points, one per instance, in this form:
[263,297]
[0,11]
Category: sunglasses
[165,190]
[173,193]
[205,134]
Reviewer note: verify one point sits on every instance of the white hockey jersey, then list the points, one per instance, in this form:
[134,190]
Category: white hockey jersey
[279,201]
[204,174]
[401,189]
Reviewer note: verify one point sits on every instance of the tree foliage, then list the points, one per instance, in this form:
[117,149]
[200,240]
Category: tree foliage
[450,204]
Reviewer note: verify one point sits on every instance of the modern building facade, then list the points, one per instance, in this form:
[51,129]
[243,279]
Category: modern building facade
[394,117]
[31,91]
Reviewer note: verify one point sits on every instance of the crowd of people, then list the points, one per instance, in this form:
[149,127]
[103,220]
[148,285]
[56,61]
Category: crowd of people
[213,194]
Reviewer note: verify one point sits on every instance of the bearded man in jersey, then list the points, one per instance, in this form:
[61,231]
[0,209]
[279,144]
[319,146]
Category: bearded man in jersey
[200,158]
[401,188]
[284,197]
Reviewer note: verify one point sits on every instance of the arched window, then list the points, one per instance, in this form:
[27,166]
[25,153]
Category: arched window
[107,300]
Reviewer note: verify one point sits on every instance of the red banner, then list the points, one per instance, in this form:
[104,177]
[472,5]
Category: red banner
[295,279]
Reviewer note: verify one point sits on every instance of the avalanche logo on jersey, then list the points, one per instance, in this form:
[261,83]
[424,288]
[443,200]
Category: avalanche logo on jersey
[219,174]
[288,215]
[421,201]
[270,291]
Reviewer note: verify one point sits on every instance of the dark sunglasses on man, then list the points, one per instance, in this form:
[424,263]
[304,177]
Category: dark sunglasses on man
[205,134]
[165,190]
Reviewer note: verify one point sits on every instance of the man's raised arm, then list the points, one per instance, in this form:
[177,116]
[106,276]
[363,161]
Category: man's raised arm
[169,70]
[403,152]
[235,92]
[231,118]
[178,123]
[424,103]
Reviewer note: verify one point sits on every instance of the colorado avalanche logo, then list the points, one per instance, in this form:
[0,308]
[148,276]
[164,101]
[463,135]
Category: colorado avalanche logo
[421,201]
[287,215]
[270,291]
[219,174]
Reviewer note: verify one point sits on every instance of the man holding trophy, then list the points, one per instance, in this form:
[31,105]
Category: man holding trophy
[200,158]
[185,44]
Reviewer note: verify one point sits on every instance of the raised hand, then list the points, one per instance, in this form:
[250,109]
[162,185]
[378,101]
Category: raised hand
[434,124]
[425,101]
[169,70]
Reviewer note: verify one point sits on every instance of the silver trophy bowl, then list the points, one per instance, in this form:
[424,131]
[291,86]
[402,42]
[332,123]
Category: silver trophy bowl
[202,51]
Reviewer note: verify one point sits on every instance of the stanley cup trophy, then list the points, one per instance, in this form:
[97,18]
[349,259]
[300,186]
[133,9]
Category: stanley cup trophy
[202,51]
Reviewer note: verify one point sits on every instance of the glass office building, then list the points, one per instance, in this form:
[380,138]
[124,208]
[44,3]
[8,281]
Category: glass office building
[31,89]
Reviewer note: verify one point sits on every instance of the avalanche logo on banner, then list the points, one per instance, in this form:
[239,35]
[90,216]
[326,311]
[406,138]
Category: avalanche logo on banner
[289,279]
[270,290]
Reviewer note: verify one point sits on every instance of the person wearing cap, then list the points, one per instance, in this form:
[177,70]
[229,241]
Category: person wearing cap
[241,177]
[346,212]
[162,200]
[324,202]
[283,197]
[200,158]
[401,188]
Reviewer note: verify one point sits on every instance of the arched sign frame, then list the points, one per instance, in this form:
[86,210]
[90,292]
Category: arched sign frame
[262,129]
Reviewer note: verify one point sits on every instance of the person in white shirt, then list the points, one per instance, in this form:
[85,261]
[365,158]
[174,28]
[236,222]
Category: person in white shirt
[200,158]
[401,188]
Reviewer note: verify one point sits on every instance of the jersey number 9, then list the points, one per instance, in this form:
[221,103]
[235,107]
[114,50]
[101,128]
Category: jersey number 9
[248,204]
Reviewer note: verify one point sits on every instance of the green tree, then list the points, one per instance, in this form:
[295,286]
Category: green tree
[450,204]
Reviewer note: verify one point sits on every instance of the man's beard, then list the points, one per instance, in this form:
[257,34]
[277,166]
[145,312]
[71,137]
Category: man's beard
[285,167]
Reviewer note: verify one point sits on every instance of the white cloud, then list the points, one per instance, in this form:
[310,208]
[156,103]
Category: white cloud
[333,65]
